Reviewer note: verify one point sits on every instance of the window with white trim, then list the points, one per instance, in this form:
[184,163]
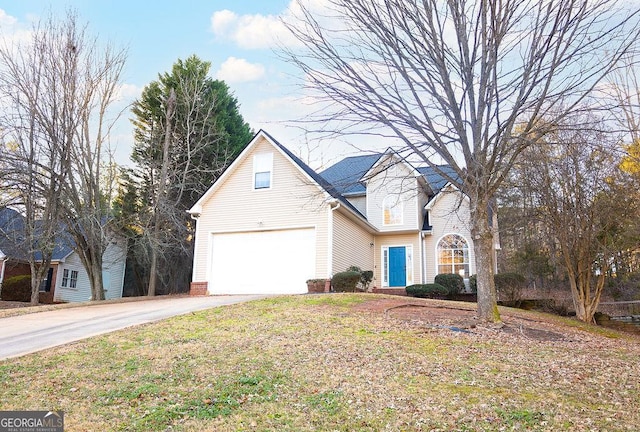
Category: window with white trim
[262,170]
[392,210]
[73,280]
[69,278]
[453,255]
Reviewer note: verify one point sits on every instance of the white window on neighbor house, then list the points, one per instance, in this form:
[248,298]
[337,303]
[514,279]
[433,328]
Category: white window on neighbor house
[392,210]
[453,255]
[73,280]
[69,278]
[262,170]
[65,278]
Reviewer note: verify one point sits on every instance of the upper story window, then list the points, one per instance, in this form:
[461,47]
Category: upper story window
[392,210]
[262,170]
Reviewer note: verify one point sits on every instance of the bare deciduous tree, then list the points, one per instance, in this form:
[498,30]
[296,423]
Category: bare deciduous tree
[574,180]
[36,155]
[60,85]
[452,80]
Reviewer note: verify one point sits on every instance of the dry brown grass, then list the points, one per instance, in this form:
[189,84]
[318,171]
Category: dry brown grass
[330,362]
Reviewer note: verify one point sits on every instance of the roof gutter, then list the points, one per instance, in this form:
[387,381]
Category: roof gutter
[334,204]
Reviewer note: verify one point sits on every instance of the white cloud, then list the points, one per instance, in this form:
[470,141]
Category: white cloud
[223,21]
[12,31]
[235,70]
[128,92]
[6,20]
[257,31]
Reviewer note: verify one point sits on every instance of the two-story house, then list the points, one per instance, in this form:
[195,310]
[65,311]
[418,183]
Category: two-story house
[270,223]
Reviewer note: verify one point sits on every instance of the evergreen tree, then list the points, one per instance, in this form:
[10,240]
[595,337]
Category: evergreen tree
[188,129]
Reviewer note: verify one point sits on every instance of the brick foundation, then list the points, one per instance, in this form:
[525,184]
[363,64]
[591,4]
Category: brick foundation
[198,288]
[393,291]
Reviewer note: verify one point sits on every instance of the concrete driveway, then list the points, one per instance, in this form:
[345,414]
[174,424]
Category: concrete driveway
[24,334]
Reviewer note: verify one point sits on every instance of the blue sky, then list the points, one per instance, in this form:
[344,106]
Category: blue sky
[237,37]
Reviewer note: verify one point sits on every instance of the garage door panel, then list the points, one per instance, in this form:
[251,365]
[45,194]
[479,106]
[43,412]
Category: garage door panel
[266,262]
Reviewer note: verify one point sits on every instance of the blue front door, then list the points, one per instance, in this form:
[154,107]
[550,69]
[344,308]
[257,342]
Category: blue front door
[397,267]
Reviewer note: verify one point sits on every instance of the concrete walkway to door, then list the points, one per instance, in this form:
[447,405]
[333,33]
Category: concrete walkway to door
[24,334]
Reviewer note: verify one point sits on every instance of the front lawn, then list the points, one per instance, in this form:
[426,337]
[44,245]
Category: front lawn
[331,362]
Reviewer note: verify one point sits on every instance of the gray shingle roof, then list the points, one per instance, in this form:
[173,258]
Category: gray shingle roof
[12,238]
[345,175]
[435,179]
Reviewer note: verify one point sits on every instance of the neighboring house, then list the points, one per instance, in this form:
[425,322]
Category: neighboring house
[13,260]
[269,223]
[67,280]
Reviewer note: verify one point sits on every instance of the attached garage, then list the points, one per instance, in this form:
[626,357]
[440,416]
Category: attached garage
[262,262]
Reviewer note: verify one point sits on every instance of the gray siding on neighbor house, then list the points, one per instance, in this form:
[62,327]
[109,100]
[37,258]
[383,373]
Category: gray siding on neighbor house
[113,275]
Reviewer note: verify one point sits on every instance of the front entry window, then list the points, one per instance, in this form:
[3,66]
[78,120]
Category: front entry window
[453,255]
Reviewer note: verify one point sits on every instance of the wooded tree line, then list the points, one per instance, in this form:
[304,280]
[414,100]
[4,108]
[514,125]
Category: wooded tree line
[57,94]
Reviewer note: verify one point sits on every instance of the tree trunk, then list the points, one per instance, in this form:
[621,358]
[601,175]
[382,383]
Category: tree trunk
[153,276]
[35,291]
[97,289]
[483,248]
[161,193]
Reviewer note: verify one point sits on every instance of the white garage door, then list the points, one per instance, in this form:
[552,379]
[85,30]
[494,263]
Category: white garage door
[266,262]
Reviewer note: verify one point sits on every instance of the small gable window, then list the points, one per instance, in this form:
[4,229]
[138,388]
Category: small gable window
[262,169]
[392,210]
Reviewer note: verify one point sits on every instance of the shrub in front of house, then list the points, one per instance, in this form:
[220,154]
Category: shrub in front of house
[509,287]
[454,283]
[17,288]
[433,290]
[346,281]
[473,283]
[366,276]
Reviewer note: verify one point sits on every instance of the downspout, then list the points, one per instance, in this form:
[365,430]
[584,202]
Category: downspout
[195,217]
[423,260]
[2,274]
[334,204]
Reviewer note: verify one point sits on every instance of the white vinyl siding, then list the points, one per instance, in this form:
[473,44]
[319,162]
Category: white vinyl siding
[448,215]
[293,201]
[352,245]
[360,203]
[398,186]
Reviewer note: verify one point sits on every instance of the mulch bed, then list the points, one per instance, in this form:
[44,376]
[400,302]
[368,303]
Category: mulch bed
[430,315]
